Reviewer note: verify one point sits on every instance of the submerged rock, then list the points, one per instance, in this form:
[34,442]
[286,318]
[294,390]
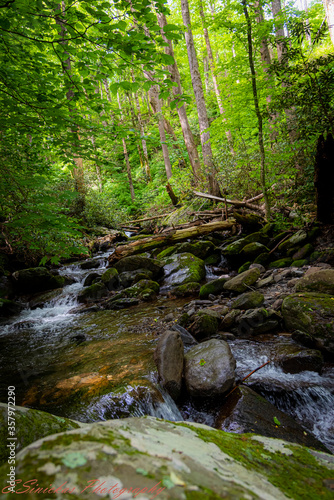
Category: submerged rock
[312,313]
[168,357]
[149,458]
[242,282]
[209,369]
[246,411]
[183,268]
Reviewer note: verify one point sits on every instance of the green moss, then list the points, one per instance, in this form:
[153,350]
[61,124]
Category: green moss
[244,267]
[58,281]
[187,289]
[213,259]
[290,473]
[299,263]
[281,263]
[108,275]
[263,258]
[214,287]
[166,252]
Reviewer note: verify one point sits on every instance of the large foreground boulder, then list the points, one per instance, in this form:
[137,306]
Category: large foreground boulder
[147,458]
[313,314]
[209,369]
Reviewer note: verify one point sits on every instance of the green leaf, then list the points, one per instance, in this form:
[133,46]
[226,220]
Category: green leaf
[202,362]
[277,422]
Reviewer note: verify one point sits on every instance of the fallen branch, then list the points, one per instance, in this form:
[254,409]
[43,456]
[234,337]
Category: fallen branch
[236,203]
[149,218]
[245,378]
[170,238]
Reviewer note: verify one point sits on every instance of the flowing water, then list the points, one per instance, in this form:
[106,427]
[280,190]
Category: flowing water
[99,365]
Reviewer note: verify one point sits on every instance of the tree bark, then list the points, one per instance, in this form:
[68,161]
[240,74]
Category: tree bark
[200,101]
[126,156]
[324,179]
[257,109]
[276,8]
[214,76]
[143,141]
[329,8]
[181,110]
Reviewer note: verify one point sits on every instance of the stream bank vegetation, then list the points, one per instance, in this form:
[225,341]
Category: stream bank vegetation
[126,110]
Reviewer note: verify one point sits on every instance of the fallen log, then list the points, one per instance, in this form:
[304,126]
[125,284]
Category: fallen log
[174,236]
[236,203]
[149,218]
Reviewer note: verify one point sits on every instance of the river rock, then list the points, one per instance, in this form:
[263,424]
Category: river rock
[122,303]
[128,278]
[90,278]
[255,322]
[297,360]
[277,264]
[303,252]
[110,278]
[151,458]
[183,268]
[246,411]
[30,425]
[204,324]
[252,250]
[90,264]
[209,369]
[294,240]
[214,287]
[319,281]
[230,319]
[135,262]
[248,300]
[241,282]
[187,290]
[249,221]
[9,308]
[200,249]
[312,313]
[6,288]
[93,292]
[40,299]
[168,357]
[36,279]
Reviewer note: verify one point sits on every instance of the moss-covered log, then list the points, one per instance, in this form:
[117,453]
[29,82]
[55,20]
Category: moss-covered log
[172,237]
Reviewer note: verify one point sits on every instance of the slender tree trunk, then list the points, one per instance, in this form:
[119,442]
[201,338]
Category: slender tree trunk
[78,171]
[181,110]
[257,109]
[126,156]
[307,33]
[200,101]
[206,73]
[143,141]
[329,8]
[154,96]
[276,9]
[214,76]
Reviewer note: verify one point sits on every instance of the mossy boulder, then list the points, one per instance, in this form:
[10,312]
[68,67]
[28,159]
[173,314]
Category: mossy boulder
[204,324]
[91,277]
[252,250]
[263,259]
[9,308]
[246,411]
[135,262]
[326,255]
[248,300]
[90,264]
[36,279]
[200,249]
[303,252]
[293,359]
[141,288]
[93,292]
[255,322]
[244,267]
[320,281]
[183,268]
[299,263]
[243,281]
[30,425]
[110,278]
[234,248]
[209,369]
[312,313]
[250,222]
[152,458]
[214,287]
[166,252]
[187,290]
[129,278]
[295,240]
[277,264]
[40,299]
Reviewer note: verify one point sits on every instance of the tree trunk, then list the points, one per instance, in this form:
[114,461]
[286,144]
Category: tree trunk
[200,101]
[329,8]
[324,179]
[171,194]
[206,73]
[276,9]
[214,76]
[186,130]
[257,109]
[143,141]
[126,156]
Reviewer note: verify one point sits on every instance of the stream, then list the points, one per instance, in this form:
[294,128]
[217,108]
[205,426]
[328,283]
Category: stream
[98,365]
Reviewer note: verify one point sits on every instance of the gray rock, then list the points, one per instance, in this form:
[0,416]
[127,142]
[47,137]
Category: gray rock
[248,300]
[90,278]
[110,278]
[90,264]
[260,267]
[256,322]
[93,292]
[209,369]
[243,281]
[168,357]
[151,458]
[265,281]
[183,268]
[319,281]
[135,262]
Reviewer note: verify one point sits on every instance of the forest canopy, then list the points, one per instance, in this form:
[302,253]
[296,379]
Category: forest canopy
[104,103]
